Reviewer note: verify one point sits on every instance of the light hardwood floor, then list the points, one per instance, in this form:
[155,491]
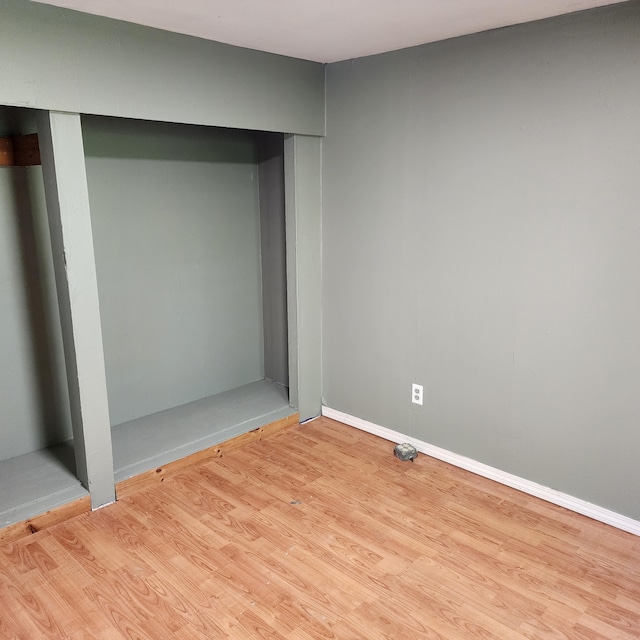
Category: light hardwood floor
[319,532]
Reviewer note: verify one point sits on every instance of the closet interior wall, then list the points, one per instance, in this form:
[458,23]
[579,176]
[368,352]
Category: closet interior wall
[175,222]
[270,149]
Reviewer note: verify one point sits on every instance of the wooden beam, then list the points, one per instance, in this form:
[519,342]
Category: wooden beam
[19,151]
[26,150]
[6,152]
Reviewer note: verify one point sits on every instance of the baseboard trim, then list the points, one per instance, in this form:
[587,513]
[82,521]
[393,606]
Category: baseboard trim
[521,484]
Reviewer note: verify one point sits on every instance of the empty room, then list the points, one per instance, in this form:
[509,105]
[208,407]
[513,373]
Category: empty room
[319,321]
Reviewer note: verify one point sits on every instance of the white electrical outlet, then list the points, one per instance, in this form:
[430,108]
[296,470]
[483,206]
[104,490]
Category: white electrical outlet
[416,393]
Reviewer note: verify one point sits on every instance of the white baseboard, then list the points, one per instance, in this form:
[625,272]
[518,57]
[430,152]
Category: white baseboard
[545,493]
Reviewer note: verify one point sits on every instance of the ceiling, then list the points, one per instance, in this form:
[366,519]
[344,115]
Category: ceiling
[327,30]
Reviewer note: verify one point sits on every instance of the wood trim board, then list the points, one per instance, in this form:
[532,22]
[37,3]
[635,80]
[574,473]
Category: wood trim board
[20,151]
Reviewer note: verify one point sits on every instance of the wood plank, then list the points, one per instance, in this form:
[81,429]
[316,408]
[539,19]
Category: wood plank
[370,548]
[20,151]
[26,150]
[7,158]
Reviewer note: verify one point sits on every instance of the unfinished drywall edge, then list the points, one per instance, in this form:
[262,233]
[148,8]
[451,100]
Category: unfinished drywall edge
[67,197]
[576,505]
[62,60]
[303,211]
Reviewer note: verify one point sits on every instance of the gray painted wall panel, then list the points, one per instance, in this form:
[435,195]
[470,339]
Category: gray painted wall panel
[65,183]
[176,229]
[52,58]
[303,213]
[274,267]
[481,237]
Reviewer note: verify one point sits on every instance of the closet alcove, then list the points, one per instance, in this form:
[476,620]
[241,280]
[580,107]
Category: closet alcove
[188,230]
[189,238]
[37,456]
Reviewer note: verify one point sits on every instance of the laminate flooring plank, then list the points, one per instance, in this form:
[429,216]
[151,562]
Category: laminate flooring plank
[319,532]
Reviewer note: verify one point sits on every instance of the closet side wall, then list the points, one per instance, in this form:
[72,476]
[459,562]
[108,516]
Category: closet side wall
[274,264]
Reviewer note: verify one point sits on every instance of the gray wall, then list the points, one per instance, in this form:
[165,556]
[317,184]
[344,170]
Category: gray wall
[33,401]
[274,265]
[175,218]
[303,213]
[52,58]
[481,237]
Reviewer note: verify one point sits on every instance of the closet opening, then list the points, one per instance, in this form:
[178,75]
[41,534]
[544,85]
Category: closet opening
[189,238]
[37,455]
